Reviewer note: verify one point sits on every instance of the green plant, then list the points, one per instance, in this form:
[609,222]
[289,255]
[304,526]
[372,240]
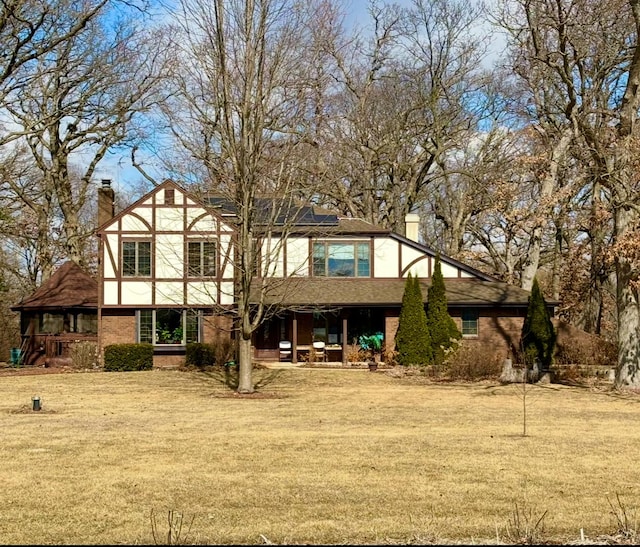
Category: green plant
[127,357]
[538,336]
[174,535]
[442,328]
[413,342]
[200,355]
[371,344]
[167,335]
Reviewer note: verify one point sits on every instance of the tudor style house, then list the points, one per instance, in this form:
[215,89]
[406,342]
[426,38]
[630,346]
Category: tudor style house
[166,276]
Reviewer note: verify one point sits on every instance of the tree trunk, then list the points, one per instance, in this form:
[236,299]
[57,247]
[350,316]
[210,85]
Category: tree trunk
[628,371]
[245,366]
[549,185]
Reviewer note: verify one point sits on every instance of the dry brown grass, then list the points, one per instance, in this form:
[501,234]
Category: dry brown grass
[327,456]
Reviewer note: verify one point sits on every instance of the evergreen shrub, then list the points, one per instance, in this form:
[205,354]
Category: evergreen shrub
[538,337]
[442,328]
[200,355]
[126,357]
[413,343]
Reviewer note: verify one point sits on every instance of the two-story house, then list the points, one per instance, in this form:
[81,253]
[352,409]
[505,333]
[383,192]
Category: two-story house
[166,277]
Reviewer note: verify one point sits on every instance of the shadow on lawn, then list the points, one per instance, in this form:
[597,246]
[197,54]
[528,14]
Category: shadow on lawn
[228,376]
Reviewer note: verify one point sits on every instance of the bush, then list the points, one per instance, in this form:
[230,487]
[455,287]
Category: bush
[413,341]
[538,338]
[225,351]
[125,357]
[442,328]
[200,355]
[84,355]
[472,362]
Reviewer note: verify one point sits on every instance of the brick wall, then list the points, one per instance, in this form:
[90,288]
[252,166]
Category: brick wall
[498,330]
[118,327]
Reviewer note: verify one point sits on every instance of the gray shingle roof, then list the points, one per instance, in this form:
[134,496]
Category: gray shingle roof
[326,291]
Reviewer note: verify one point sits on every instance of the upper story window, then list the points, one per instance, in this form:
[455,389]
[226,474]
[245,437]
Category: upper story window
[341,259]
[202,258]
[136,258]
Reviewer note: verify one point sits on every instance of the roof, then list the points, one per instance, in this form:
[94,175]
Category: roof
[277,211]
[327,291]
[69,287]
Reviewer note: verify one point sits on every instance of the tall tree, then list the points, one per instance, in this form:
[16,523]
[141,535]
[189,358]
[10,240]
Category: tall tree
[82,101]
[242,108]
[413,342]
[587,55]
[403,100]
[442,328]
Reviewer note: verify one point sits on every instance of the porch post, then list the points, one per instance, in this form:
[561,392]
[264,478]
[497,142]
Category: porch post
[344,340]
[294,340]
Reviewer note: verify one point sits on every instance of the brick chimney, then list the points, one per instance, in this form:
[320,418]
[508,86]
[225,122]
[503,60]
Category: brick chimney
[106,202]
[411,226]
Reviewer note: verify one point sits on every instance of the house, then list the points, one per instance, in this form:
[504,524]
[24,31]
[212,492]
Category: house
[62,311]
[166,276]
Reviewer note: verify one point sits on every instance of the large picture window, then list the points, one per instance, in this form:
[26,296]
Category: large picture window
[341,259]
[202,258]
[168,326]
[136,258]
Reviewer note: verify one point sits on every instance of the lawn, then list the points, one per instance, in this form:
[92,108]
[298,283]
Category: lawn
[322,456]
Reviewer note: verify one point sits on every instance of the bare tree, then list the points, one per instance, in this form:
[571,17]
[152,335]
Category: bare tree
[402,101]
[82,101]
[586,53]
[243,105]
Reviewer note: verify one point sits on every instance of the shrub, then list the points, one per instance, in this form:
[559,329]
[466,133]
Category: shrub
[84,355]
[200,355]
[413,342]
[538,336]
[472,362]
[125,357]
[225,351]
[442,328]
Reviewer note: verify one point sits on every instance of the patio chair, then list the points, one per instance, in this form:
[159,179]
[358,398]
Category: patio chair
[319,351]
[285,350]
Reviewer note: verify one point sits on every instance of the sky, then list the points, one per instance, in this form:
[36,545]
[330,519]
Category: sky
[117,166]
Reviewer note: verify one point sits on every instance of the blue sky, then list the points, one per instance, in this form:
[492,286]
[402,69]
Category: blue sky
[117,166]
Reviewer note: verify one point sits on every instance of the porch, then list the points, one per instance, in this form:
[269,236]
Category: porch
[38,349]
[339,330]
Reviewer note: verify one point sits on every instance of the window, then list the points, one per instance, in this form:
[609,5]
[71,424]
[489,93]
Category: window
[470,322]
[136,258]
[168,326]
[341,259]
[202,258]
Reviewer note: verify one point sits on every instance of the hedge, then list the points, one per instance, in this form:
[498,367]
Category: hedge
[125,357]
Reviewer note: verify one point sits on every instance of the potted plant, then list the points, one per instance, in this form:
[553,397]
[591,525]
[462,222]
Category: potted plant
[372,343]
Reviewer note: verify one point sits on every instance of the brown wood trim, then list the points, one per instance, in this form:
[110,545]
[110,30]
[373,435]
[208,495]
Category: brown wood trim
[413,262]
[112,259]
